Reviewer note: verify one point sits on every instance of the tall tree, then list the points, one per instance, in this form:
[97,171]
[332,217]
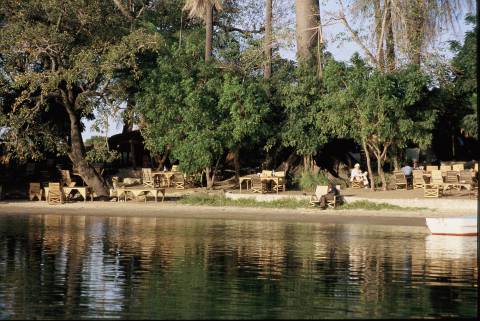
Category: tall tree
[307,22]
[203,9]
[267,73]
[70,56]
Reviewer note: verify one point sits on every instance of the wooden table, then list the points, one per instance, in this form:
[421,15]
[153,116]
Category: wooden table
[168,175]
[270,178]
[136,191]
[83,190]
[247,179]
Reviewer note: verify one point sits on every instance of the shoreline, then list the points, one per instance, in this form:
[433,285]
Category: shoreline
[170,209]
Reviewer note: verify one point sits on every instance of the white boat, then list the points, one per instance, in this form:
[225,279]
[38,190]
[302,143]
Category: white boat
[466,225]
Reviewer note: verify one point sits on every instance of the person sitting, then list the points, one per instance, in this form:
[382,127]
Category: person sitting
[332,191]
[358,175]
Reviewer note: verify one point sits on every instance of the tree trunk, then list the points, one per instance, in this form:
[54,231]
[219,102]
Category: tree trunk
[378,32]
[77,156]
[308,163]
[319,45]
[415,27]
[236,162]
[395,158]
[389,41]
[380,172]
[208,30]
[161,160]
[210,176]
[267,73]
[369,165]
[306,12]
[127,116]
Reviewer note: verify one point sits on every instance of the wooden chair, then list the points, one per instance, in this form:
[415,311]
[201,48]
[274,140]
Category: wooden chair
[445,168]
[458,167]
[451,181]
[336,199]
[147,178]
[319,191]
[431,168]
[400,180]
[66,178]
[436,179]
[266,173]
[466,180]
[55,194]
[281,182]
[357,182]
[258,186]
[35,190]
[418,179]
[431,191]
[179,180]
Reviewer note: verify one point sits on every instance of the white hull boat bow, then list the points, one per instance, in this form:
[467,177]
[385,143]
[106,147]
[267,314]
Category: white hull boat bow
[465,226]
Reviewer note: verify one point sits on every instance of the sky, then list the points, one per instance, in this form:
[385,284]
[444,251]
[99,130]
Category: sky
[340,50]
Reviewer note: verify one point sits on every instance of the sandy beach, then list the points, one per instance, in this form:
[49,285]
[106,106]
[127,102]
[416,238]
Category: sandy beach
[175,210]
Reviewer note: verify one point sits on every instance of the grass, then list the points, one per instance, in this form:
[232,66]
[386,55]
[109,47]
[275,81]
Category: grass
[213,200]
[216,200]
[372,206]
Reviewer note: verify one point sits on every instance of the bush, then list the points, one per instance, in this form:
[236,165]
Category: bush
[308,181]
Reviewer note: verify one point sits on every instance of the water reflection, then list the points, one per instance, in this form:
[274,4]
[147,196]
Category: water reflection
[55,266]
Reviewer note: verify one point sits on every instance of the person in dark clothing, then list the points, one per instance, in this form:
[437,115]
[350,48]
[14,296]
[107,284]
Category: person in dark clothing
[331,193]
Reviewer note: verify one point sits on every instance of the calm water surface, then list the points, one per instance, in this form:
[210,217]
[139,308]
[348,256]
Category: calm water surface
[60,267]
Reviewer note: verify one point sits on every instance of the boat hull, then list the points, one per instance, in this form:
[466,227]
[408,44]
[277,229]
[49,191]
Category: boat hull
[455,226]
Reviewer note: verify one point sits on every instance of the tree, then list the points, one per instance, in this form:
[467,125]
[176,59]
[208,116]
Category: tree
[203,9]
[465,72]
[378,110]
[62,57]
[307,21]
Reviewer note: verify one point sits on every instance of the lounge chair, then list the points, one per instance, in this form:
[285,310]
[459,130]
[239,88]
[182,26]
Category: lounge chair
[466,180]
[258,186]
[35,190]
[55,194]
[431,168]
[322,190]
[445,168]
[400,180]
[458,167]
[418,179]
[451,181]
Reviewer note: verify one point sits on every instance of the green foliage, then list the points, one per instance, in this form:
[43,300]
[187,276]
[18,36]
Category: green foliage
[465,70]
[308,181]
[213,200]
[197,110]
[60,58]
[99,151]
[303,128]
[372,206]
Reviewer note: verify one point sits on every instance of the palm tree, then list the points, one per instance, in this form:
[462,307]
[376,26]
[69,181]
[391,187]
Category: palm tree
[203,9]
[268,40]
[307,21]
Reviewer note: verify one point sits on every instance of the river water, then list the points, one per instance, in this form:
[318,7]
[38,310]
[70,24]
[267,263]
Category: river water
[74,267]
